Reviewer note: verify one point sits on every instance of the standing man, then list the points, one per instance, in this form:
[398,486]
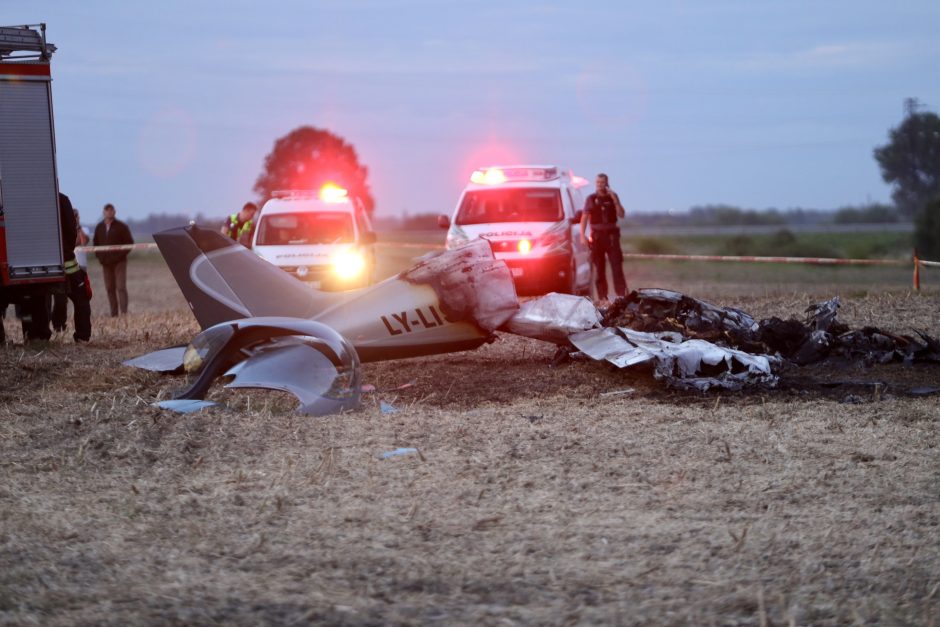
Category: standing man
[111,231]
[602,209]
[241,226]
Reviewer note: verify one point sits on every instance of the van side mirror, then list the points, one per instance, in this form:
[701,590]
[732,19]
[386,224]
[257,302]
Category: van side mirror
[576,219]
[368,237]
[443,221]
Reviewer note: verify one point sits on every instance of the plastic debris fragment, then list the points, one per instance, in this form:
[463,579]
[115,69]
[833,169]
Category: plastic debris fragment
[167,360]
[399,452]
[185,405]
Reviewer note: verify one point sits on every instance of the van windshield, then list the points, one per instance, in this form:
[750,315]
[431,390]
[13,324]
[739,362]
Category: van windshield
[286,229]
[510,205]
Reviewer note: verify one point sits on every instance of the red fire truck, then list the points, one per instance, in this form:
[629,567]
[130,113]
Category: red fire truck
[31,263]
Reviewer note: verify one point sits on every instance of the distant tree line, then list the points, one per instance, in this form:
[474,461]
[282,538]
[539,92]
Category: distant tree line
[877,213]
[703,216]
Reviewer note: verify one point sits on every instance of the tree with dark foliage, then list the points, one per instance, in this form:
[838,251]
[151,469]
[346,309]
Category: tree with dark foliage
[309,157]
[910,161]
[927,231]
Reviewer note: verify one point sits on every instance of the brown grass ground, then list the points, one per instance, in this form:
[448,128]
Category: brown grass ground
[535,498]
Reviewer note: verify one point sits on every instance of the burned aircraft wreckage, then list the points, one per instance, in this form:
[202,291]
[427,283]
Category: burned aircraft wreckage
[266,329]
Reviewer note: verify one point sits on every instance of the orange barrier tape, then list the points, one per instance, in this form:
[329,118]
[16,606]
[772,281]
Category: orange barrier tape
[819,261]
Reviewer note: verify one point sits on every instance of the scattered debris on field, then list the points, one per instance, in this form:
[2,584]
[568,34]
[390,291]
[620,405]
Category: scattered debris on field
[266,329]
[688,364]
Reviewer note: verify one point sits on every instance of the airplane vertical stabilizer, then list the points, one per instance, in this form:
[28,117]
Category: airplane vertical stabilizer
[222,280]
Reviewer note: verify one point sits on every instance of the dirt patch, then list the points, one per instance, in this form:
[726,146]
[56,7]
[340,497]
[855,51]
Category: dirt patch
[535,496]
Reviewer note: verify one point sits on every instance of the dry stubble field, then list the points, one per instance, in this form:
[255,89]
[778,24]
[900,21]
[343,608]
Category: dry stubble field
[534,499]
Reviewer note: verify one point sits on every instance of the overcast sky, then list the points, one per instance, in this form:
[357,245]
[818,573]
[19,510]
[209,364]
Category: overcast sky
[171,106]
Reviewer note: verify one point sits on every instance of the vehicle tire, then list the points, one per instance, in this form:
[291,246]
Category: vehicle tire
[575,289]
[570,285]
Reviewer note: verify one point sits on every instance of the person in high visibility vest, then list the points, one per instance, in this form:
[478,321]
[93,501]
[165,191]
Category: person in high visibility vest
[241,226]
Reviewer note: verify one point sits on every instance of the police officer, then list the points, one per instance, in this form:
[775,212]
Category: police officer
[602,209]
[241,226]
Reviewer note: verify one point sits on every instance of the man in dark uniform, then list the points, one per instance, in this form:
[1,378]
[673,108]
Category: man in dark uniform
[602,209]
[241,226]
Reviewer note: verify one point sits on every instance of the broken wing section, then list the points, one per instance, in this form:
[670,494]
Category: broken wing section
[306,358]
[697,364]
[303,370]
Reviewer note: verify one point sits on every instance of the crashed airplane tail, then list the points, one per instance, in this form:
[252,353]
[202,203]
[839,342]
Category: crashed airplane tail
[222,280]
[450,301]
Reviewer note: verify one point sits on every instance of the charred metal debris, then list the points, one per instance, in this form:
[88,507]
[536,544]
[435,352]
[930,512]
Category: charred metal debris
[693,344]
[815,338]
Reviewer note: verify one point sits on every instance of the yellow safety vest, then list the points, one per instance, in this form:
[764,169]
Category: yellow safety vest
[237,231]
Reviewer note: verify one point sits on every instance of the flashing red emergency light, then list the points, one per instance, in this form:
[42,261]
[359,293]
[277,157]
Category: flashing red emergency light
[524,246]
[331,192]
[501,174]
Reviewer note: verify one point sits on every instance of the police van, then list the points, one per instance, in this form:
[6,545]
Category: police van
[322,237]
[530,215]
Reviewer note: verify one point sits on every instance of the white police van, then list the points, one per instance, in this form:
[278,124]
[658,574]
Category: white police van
[323,237]
[530,214]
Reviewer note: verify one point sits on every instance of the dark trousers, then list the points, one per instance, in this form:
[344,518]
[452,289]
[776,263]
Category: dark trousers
[35,318]
[115,283]
[606,245]
[3,314]
[60,311]
[81,304]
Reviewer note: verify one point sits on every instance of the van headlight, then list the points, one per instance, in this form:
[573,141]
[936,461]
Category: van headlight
[348,264]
